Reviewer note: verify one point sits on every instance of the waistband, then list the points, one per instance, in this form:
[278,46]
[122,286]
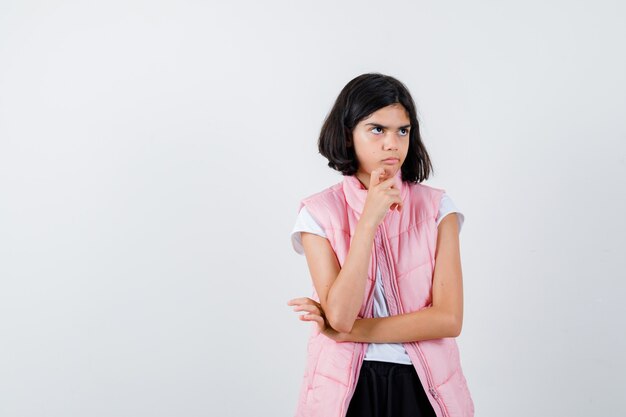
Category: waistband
[382,368]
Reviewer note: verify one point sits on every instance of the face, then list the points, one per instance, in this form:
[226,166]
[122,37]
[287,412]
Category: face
[384,134]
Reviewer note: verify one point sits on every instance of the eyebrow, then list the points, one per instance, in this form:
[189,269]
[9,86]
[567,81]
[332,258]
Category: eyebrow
[385,127]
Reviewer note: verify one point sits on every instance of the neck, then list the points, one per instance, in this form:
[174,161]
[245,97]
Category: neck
[355,190]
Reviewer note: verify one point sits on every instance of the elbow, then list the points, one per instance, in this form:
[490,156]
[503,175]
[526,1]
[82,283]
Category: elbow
[341,325]
[344,327]
[456,324]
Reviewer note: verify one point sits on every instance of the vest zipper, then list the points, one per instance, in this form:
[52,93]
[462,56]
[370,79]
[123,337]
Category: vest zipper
[362,346]
[431,389]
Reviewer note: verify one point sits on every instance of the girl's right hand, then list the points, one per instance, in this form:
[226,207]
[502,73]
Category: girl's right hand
[381,196]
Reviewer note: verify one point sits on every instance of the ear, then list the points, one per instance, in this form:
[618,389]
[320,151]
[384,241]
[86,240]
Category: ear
[347,137]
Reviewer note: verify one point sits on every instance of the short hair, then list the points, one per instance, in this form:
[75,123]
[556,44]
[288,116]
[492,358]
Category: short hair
[361,97]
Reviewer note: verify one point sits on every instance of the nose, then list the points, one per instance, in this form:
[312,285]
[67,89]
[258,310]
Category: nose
[391,141]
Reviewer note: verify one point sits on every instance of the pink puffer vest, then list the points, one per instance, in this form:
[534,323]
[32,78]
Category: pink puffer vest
[404,246]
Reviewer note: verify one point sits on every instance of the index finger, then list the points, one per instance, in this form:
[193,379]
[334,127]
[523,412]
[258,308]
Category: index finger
[375,176]
[299,300]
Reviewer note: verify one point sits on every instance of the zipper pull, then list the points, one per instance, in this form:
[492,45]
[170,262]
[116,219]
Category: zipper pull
[434,392]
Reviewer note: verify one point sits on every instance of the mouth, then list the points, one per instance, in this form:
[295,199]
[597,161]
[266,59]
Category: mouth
[391,161]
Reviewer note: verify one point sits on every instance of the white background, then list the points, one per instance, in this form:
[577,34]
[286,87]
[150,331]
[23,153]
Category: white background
[153,154]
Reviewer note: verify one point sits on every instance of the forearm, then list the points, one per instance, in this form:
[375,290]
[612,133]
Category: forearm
[428,323]
[346,294]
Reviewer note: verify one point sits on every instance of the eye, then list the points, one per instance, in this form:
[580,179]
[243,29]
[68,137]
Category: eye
[405,130]
[376,127]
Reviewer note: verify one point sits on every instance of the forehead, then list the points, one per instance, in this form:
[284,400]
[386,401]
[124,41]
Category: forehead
[392,114]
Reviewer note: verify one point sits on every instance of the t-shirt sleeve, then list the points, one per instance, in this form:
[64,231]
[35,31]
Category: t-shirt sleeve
[446,207]
[304,223]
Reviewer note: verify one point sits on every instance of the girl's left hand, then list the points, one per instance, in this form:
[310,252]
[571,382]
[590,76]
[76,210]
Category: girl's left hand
[315,314]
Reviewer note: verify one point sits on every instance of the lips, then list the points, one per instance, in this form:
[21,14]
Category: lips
[391,160]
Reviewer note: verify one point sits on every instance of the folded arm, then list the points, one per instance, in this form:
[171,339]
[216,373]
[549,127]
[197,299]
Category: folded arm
[443,319]
[340,289]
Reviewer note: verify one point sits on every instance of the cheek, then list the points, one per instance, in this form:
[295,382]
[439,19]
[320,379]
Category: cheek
[363,149]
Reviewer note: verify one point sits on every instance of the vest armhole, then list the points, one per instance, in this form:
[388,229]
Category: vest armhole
[437,201]
[312,213]
[319,212]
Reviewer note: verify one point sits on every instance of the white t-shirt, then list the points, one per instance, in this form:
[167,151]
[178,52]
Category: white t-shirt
[386,352]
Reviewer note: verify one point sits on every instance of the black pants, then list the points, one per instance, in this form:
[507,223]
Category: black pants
[387,389]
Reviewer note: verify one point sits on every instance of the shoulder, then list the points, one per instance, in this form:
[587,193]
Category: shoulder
[330,211]
[333,192]
[440,202]
[425,195]
[322,203]
[422,188]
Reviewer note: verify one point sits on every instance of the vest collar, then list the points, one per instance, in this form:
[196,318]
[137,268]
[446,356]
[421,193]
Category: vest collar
[356,193]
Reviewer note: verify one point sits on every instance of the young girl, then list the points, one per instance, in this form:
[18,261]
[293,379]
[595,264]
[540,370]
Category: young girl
[385,263]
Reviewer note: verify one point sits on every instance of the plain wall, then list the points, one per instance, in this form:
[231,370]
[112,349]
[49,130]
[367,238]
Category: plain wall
[153,155]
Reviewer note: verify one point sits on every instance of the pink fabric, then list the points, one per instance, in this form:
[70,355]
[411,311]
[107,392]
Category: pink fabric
[404,246]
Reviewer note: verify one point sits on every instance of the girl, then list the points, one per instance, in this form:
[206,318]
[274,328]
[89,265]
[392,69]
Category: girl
[385,263]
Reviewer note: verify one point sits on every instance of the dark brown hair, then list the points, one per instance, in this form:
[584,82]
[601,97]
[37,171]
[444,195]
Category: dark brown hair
[361,97]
